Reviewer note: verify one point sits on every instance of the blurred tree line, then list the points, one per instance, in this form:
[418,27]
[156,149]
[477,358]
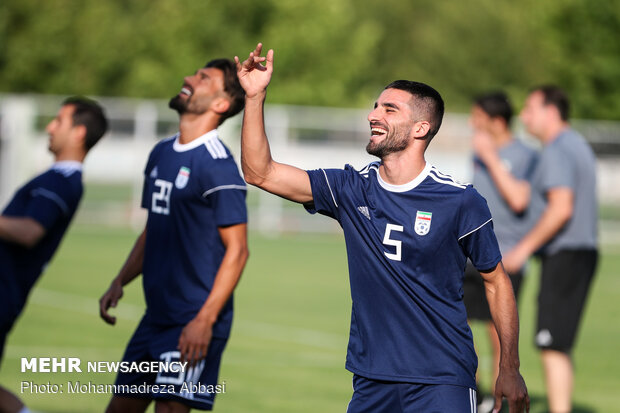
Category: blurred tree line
[327,52]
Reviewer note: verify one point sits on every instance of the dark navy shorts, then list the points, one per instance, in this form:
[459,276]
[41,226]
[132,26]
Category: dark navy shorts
[375,396]
[196,387]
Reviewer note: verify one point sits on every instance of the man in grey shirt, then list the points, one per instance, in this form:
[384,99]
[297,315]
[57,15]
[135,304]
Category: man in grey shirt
[503,168]
[564,184]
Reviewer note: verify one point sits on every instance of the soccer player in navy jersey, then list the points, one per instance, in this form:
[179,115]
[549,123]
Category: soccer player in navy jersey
[35,220]
[192,250]
[409,230]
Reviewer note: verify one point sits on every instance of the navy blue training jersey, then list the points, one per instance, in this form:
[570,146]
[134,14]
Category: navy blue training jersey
[50,199]
[407,246]
[189,190]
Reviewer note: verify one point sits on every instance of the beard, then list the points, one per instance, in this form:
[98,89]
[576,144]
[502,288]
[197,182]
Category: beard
[197,106]
[178,104]
[395,141]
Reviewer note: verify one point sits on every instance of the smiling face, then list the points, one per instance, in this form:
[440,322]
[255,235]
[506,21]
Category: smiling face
[391,123]
[199,91]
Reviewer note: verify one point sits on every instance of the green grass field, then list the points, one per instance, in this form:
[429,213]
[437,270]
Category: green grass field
[288,345]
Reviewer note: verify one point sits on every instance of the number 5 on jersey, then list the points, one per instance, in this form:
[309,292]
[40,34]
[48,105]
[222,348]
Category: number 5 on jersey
[393,242]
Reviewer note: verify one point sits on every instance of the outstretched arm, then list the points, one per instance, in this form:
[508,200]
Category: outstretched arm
[503,308]
[258,167]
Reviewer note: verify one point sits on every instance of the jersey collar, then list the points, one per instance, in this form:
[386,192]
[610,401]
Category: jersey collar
[67,167]
[409,185]
[180,147]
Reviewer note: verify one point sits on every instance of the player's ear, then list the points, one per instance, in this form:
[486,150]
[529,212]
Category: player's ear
[79,134]
[220,105]
[421,128]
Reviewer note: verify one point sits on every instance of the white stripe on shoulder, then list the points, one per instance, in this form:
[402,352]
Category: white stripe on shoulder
[211,149]
[219,147]
[52,196]
[330,188]
[219,188]
[366,170]
[445,179]
[215,148]
[476,229]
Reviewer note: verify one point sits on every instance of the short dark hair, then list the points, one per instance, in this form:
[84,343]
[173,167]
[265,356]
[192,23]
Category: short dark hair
[554,95]
[428,102]
[496,105]
[89,113]
[232,87]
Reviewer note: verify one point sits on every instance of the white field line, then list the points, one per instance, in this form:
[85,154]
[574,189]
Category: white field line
[255,329]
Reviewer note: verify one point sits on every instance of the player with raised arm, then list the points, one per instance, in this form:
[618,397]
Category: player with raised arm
[192,250]
[409,230]
[35,220]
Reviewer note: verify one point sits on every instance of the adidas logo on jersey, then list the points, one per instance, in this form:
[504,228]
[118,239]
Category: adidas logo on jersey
[153,173]
[364,211]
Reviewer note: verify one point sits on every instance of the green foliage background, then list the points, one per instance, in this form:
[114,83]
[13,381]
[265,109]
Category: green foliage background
[328,52]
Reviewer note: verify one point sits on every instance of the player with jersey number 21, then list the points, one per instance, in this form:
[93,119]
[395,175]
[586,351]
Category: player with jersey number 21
[409,230]
[192,250]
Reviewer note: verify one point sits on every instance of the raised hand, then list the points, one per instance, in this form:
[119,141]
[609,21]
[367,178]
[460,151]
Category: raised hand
[483,145]
[253,75]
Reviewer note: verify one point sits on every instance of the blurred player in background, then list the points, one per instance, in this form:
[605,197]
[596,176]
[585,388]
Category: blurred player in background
[192,250]
[503,168]
[564,184]
[35,220]
[409,230]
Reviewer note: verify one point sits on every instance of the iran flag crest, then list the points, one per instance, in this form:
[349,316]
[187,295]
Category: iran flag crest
[423,222]
[182,178]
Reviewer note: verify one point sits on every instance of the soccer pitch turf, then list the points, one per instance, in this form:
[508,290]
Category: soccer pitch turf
[288,345]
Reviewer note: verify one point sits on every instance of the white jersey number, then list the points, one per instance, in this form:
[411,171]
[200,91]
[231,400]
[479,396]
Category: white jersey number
[393,242]
[161,199]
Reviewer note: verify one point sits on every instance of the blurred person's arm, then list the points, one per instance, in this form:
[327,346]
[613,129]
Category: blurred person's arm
[130,270]
[196,335]
[24,231]
[558,211]
[516,192]
[259,169]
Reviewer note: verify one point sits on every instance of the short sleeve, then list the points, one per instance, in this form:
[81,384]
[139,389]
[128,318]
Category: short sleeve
[51,201]
[326,184]
[229,206]
[224,188]
[476,235]
[556,170]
